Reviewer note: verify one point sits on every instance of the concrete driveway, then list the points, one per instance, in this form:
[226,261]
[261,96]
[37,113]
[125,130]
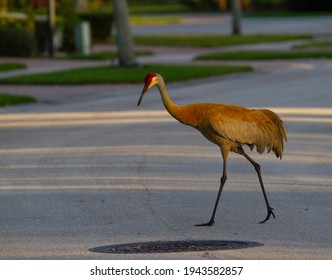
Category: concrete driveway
[98,170]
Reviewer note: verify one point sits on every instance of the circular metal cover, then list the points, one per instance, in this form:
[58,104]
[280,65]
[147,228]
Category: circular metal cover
[175,246]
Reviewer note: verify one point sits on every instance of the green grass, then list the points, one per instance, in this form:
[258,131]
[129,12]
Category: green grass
[265,55]
[104,55]
[315,45]
[154,20]
[10,100]
[112,75]
[11,66]
[212,40]
[149,9]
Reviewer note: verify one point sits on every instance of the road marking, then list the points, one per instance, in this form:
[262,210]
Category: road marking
[27,120]
[304,66]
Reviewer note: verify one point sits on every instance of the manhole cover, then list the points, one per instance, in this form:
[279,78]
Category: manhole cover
[175,246]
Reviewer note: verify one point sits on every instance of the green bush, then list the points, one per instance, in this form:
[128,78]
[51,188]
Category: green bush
[151,2]
[16,42]
[309,5]
[100,23]
[69,18]
[41,35]
[12,22]
[268,4]
[201,4]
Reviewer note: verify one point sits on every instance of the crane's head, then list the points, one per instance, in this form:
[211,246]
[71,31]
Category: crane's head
[150,80]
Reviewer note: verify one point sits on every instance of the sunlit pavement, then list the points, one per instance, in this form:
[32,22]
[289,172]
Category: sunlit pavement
[98,170]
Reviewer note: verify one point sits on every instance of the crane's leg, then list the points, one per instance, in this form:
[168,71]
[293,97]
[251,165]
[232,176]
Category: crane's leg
[224,152]
[258,170]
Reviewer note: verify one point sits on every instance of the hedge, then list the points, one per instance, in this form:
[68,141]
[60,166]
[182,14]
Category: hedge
[310,5]
[100,23]
[16,42]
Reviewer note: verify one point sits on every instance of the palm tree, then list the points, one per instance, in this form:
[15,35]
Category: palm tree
[236,11]
[123,36]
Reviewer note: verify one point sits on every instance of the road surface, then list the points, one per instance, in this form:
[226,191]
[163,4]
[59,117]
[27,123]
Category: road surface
[221,24]
[98,170]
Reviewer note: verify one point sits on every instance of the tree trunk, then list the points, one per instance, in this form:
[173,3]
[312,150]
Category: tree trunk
[236,17]
[51,27]
[123,35]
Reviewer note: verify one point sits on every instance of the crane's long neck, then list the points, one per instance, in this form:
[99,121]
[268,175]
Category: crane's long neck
[171,107]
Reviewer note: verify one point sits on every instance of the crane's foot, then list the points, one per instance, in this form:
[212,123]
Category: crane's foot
[269,213]
[209,224]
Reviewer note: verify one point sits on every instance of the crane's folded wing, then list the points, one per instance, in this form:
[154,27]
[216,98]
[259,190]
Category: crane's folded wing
[246,127]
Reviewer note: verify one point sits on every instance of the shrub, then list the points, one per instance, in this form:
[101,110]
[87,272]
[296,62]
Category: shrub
[41,35]
[16,42]
[217,5]
[268,4]
[309,5]
[100,23]
[201,4]
[13,22]
[70,19]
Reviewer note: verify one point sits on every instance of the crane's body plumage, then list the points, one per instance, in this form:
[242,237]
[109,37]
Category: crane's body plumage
[235,126]
[228,126]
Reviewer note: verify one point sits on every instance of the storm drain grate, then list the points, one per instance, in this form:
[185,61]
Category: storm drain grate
[175,246]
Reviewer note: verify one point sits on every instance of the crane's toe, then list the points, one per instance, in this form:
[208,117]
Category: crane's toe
[269,213]
[209,224]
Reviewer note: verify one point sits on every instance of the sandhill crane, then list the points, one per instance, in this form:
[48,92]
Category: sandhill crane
[230,127]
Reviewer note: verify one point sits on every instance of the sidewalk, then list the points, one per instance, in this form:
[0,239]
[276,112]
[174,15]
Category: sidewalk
[163,55]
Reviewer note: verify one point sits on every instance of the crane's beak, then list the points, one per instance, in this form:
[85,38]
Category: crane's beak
[145,89]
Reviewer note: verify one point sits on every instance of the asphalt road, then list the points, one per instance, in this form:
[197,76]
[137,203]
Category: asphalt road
[98,170]
[221,24]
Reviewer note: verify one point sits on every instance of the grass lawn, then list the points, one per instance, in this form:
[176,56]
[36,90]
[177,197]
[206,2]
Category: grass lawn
[153,9]
[9,100]
[104,55]
[315,45]
[11,66]
[212,40]
[265,55]
[135,20]
[108,74]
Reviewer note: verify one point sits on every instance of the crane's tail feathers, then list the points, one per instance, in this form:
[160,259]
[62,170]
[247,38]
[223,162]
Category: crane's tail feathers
[277,134]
